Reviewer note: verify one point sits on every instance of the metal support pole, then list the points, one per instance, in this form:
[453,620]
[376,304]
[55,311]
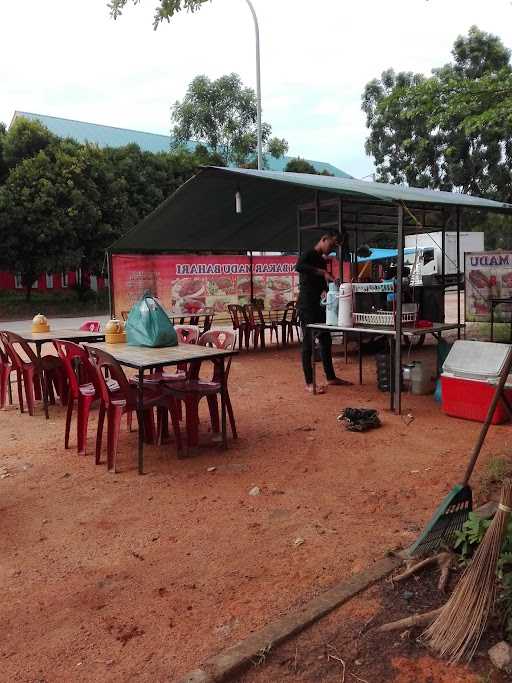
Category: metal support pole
[356,247]
[252,282]
[299,235]
[110,285]
[342,260]
[458,271]
[398,311]
[443,257]
[258,84]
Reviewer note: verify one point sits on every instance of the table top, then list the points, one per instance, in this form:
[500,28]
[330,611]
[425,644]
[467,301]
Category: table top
[408,331]
[144,357]
[58,333]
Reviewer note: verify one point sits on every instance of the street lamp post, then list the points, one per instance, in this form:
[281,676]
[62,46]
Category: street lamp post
[258,84]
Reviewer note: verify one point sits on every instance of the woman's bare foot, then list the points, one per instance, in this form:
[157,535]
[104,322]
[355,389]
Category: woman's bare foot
[319,389]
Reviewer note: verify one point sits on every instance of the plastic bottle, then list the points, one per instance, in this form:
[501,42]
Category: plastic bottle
[345,305]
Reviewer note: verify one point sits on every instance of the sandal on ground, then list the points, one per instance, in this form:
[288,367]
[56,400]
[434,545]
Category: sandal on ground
[338,382]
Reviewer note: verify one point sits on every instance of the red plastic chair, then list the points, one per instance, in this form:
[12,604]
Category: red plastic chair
[253,326]
[91,326]
[288,323]
[236,314]
[115,403]
[187,334]
[83,389]
[264,324]
[30,369]
[6,368]
[194,389]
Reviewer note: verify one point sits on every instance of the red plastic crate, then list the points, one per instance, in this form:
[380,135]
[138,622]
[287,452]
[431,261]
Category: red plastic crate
[470,399]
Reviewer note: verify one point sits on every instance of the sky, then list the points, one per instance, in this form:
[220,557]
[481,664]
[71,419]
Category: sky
[69,58]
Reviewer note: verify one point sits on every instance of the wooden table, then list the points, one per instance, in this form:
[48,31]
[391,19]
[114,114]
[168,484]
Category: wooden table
[436,330]
[40,338]
[143,358]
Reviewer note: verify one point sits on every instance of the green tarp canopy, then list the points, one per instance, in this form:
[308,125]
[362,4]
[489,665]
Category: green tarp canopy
[201,216]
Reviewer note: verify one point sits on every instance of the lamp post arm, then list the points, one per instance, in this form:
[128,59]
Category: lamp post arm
[258,84]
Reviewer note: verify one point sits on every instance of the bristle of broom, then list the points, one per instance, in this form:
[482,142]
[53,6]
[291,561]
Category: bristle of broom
[457,631]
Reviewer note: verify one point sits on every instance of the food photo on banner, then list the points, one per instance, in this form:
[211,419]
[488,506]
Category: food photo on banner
[192,283]
[488,277]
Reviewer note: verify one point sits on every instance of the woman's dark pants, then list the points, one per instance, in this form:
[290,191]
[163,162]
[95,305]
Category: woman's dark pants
[310,317]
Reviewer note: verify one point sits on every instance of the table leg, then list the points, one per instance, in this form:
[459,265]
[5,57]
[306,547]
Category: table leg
[140,418]
[42,380]
[492,322]
[391,373]
[223,402]
[360,358]
[313,356]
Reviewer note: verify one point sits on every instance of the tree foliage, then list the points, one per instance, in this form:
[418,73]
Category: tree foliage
[449,131]
[299,165]
[164,11]
[62,203]
[222,115]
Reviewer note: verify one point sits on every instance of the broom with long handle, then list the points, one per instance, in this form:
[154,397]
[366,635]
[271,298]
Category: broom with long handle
[456,506]
[457,630]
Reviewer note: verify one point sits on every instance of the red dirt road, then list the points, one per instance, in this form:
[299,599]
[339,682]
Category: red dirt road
[116,578]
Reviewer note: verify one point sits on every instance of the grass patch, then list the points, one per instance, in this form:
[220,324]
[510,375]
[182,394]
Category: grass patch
[498,468]
[13,305]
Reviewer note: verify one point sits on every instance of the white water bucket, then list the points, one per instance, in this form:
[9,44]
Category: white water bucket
[345,306]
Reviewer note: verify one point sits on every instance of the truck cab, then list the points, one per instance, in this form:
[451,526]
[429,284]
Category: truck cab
[422,261]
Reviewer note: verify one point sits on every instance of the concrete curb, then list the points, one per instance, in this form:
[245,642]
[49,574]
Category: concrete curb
[223,666]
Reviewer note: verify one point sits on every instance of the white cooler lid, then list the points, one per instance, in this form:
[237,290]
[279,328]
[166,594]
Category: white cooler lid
[475,359]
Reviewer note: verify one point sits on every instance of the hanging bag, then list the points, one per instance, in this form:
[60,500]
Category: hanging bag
[149,325]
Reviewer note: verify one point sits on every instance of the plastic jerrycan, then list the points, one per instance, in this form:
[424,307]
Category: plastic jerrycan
[331,303]
[345,306]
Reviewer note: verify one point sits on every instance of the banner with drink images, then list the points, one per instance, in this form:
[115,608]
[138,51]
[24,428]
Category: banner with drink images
[190,283]
[488,275]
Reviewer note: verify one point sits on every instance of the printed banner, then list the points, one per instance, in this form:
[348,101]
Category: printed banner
[189,284]
[488,275]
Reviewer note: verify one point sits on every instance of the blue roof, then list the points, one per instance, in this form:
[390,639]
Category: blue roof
[110,136]
[384,254]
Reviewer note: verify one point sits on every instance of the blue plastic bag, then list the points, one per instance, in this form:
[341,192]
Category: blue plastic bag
[149,325]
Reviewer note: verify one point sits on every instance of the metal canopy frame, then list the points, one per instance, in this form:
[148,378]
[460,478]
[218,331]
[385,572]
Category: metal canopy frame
[362,216]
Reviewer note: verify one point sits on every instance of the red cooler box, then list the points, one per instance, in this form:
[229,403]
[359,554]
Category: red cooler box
[470,374]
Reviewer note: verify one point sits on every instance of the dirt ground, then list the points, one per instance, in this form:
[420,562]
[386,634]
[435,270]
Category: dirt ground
[127,577]
[347,643]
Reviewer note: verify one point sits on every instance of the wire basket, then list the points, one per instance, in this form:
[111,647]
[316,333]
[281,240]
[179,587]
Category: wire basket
[373,287]
[383,318]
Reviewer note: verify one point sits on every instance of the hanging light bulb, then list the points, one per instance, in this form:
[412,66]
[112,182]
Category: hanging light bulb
[238,201]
